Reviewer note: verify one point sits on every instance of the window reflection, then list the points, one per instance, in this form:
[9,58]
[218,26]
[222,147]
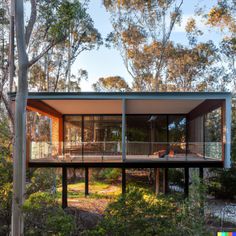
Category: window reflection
[102,135]
[73,135]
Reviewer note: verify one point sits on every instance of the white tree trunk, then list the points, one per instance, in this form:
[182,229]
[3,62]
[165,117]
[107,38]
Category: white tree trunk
[19,165]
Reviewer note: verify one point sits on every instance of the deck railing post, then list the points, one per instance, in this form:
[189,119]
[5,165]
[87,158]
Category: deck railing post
[123,130]
[64,187]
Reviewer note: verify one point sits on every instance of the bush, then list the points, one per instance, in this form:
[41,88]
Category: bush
[44,180]
[190,218]
[176,177]
[6,171]
[109,174]
[142,213]
[43,216]
[222,183]
[137,214]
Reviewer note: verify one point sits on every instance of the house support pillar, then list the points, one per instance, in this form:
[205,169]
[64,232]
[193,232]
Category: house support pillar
[64,187]
[165,181]
[186,184]
[123,130]
[157,181]
[123,181]
[227,113]
[201,174]
[86,181]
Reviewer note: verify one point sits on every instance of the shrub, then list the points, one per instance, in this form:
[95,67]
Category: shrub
[176,177]
[137,214]
[44,180]
[222,183]
[190,218]
[142,213]
[6,171]
[109,174]
[43,216]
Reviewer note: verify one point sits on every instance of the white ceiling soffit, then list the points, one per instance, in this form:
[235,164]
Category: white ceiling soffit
[115,106]
[161,106]
[86,106]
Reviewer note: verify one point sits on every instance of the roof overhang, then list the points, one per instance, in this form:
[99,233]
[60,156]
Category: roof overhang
[136,102]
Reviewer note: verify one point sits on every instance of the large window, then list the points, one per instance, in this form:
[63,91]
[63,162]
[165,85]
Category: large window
[176,134]
[92,135]
[102,135]
[213,134]
[73,135]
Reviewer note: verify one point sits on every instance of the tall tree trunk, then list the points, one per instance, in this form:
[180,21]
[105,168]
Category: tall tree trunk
[19,165]
[11,47]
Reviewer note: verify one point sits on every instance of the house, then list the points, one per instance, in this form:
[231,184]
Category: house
[129,130]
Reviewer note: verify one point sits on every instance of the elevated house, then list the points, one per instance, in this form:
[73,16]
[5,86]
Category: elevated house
[129,130]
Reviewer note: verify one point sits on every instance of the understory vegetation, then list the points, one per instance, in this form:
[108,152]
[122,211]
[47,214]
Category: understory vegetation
[140,212]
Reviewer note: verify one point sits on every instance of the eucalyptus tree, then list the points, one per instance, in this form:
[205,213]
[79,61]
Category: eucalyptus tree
[142,31]
[111,84]
[81,35]
[59,15]
[223,17]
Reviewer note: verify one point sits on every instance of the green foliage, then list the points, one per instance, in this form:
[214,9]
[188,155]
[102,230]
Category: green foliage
[176,177]
[142,213]
[5,194]
[233,132]
[191,220]
[137,214]
[109,174]
[222,183]
[5,134]
[42,180]
[43,216]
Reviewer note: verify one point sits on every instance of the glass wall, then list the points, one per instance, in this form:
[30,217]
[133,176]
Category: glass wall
[73,135]
[176,135]
[102,135]
[156,134]
[205,135]
[213,134]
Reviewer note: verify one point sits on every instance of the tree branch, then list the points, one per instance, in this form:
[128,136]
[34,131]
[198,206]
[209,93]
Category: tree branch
[32,20]
[35,59]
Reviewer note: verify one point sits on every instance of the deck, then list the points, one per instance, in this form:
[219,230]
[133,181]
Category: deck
[131,161]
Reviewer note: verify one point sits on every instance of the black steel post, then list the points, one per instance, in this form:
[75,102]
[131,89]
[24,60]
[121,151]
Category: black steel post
[64,187]
[186,184]
[165,181]
[123,181]
[86,181]
[201,173]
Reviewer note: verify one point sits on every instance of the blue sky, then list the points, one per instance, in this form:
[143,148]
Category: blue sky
[108,62]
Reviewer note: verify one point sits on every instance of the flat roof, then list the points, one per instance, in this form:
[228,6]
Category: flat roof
[111,102]
[123,95]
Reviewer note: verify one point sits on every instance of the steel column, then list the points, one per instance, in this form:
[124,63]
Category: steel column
[186,184]
[123,130]
[86,181]
[123,181]
[64,187]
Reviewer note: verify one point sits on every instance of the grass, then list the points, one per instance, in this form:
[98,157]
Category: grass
[100,195]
